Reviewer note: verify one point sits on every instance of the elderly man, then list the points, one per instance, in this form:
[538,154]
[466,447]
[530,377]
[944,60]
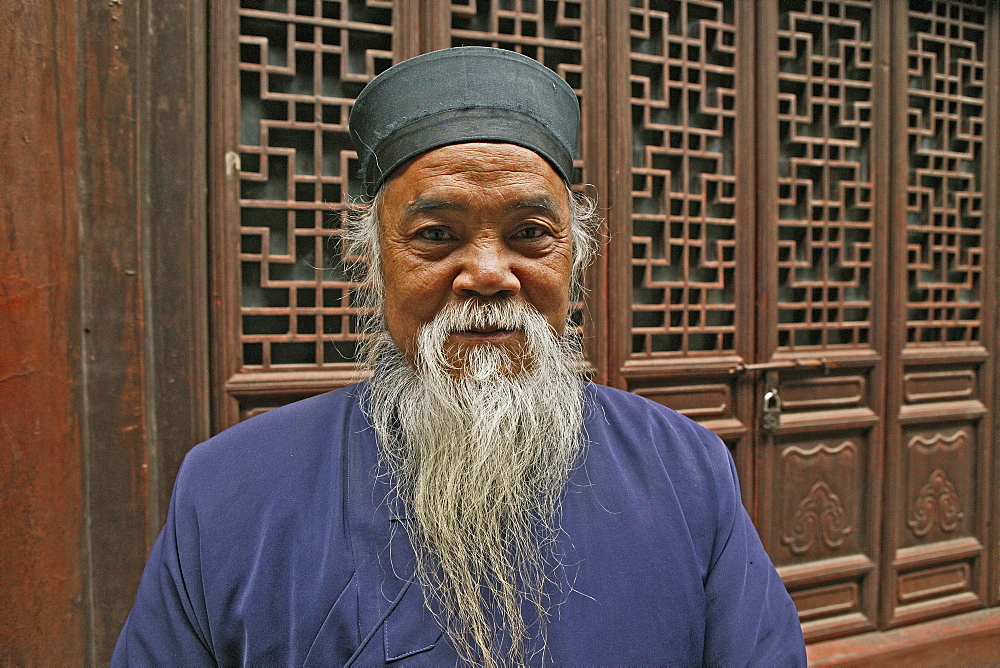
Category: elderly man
[476,501]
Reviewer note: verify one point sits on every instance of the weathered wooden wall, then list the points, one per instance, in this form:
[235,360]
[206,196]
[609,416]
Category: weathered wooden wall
[103,363]
[42,583]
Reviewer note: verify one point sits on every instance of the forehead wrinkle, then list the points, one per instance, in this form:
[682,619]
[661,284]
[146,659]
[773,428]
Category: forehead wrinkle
[543,203]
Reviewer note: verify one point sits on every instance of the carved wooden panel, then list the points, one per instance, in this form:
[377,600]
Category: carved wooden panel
[827,520]
[819,270]
[940,468]
[825,175]
[682,98]
[705,399]
[945,123]
[301,66]
[938,561]
[935,523]
[818,482]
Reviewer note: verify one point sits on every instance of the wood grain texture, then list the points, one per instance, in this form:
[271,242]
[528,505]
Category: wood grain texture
[745,392]
[991,212]
[224,193]
[116,430]
[175,241]
[618,196]
[596,155]
[41,503]
[963,640]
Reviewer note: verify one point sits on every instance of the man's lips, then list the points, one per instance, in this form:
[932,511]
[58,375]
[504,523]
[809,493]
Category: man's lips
[485,334]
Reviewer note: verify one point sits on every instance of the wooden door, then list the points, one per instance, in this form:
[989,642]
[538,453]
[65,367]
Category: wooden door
[943,279]
[798,224]
[823,113]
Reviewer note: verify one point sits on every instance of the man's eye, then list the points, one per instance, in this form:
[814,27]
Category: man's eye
[434,234]
[533,232]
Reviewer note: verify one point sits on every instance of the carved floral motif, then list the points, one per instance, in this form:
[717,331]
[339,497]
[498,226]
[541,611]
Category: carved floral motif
[937,503]
[820,516]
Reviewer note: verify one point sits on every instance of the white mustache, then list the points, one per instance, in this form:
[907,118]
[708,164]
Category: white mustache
[479,315]
[474,314]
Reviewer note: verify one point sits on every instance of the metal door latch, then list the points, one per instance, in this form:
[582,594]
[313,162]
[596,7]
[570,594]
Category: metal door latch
[813,363]
[770,416]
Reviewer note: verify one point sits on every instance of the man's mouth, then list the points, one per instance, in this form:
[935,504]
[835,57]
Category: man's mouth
[485,333]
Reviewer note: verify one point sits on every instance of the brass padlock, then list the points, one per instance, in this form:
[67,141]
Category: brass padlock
[770,416]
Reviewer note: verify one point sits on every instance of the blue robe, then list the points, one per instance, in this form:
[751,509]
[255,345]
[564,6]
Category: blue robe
[280,548]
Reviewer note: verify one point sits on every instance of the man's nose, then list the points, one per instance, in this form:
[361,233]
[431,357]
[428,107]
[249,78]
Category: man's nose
[486,271]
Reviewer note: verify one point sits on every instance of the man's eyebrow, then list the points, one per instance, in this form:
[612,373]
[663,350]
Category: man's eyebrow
[428,204]
[542,203]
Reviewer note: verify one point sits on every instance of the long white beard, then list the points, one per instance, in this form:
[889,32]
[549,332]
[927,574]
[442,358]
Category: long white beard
[479,446]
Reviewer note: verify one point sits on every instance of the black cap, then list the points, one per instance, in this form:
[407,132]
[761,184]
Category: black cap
[461,95]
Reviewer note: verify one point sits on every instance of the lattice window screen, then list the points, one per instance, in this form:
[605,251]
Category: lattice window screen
[944,197]
[302,63]
[825,183]
[683,180]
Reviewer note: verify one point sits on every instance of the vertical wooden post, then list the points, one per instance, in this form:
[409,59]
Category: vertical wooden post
[991,273]
[42,581]
[116,480]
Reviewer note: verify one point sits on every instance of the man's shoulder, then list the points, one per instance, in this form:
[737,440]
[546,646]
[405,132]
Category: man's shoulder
[278,442]
[287,421]
[636,428]
[647,460]
[638,410]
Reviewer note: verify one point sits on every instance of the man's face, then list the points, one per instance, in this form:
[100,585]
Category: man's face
[474,221]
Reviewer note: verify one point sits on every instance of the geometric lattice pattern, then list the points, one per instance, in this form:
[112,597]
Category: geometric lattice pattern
[550,32]
[825,225]
[944,195]
[683,181]
[302,63]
